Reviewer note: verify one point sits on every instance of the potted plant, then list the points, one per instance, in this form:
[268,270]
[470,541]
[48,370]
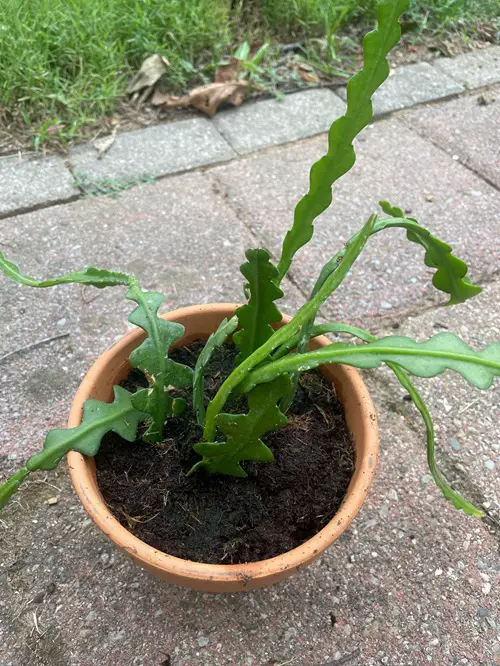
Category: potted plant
[170,429]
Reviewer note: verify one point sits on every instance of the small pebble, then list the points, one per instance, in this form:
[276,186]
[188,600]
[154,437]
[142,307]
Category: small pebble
[455,444]
[489,464]
[386,305]
[482,611]
[290,633]
[202,641]
[384,510]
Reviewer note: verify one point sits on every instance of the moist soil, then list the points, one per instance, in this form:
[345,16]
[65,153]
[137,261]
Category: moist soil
[223,519]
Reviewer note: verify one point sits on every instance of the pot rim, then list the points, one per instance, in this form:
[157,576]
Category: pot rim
[82,471]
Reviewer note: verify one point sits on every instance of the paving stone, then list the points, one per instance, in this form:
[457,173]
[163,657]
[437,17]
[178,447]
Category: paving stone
[155,151]
[410,85]
[462,413]
[255,126]
[178,236]
[27,182]
[467,128]
[475,69]
[403,584]
[394,163]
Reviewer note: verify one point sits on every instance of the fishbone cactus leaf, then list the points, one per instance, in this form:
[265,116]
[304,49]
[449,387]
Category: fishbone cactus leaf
[243,431]
[98,418]
[95,277]
[341,156]
[152,358]
[450,276]
[256,317]
[217,339]
[444,351]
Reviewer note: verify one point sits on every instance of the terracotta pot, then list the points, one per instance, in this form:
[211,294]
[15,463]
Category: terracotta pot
[199,321]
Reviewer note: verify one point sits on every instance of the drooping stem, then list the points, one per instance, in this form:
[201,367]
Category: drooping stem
[11,486]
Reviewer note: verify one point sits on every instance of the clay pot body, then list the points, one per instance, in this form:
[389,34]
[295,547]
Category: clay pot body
[199,321]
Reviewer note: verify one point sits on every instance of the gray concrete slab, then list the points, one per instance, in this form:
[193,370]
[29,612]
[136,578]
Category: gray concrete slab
[411,582]
[178,236]
[155,151]
[26,182]
[394,163]
[467,128]
[410,85]
[467,419]
[262,124]
[475,69]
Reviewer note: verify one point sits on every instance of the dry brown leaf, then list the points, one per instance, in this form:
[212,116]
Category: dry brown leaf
[169,101]
[152,69]
[229,72]
[305,71]
[206,98]
[310,77]
[55,129]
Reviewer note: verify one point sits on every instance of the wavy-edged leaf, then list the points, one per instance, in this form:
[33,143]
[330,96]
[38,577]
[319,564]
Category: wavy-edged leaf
[217,339]
[243,432]
[450,276]
[341,156]
[98,418]
[92,276]
[152,358]
[444,351]
[451,495]
[256,317]
[280,336]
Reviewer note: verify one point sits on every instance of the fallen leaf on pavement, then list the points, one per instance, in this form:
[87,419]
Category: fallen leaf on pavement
[103,145]
[310,77]
[167,101]
[152,69]
[206,98]
[228,72]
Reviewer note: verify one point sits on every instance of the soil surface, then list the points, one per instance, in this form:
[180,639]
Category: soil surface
[222,519]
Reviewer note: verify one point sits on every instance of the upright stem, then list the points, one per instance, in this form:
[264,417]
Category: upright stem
[306,312]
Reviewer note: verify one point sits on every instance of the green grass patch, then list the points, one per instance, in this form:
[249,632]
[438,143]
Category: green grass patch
[65,62]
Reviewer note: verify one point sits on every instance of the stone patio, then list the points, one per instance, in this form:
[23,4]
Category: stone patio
[412,582]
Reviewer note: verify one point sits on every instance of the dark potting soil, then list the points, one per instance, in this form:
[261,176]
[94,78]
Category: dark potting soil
[222,519]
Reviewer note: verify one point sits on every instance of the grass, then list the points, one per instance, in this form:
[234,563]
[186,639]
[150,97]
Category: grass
[65,62]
